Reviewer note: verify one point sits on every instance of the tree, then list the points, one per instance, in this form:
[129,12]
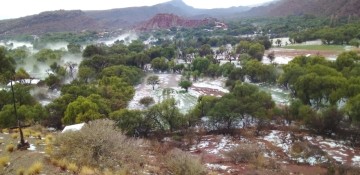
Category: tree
[185,84]
[205,50]
[166,115]
[81,110]
[355,42]
[200,64]
[244,100]
[257,51]
[7,71]
[352,108]
[159,64]
[132,122]
[278,42]
[271,56]
[141,59]
[74,48]
[92,50]
[136,46]
[153,80]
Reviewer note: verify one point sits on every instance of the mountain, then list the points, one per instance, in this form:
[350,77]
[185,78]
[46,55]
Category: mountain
[167,21]
[340,8]
[113,19]
[55,21]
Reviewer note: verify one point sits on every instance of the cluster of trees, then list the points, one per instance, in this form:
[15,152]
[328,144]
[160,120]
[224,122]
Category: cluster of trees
[325,91]
[344,34]
[28,109]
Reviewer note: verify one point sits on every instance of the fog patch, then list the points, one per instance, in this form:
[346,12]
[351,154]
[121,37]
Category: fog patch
[126,37]
[57,46]
[12,44]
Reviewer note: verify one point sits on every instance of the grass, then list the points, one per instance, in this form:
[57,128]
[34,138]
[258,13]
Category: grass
[4,161]
[35,168]
[72,167]
[20,171]
[10,147]
[87,171]
[317,47]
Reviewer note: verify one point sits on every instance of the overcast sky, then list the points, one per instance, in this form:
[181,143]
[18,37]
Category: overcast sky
[19,8]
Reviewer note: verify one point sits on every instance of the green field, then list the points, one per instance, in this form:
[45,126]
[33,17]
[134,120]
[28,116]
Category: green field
[317,47]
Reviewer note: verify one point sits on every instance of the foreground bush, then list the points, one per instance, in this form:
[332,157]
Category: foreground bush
[179,163]
[98,144]
[244,153]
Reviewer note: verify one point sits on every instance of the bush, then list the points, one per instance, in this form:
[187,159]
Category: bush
[20,171]
[87,171]
[73,168]
[35,168]
[179,163]
[147,101]
[4,161]
[98,144]
[10,147]
[14,136]
[244,153]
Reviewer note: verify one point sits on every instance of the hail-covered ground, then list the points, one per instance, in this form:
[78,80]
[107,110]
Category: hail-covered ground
[168,88]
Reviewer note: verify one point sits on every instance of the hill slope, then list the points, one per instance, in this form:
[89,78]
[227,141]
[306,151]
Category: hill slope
[340,8]
[74,21]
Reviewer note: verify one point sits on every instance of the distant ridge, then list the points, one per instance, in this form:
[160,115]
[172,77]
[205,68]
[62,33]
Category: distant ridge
[339,8]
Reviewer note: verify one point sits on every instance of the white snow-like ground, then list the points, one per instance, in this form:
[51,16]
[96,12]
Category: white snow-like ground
[168,87]
[337,150]
[76,127]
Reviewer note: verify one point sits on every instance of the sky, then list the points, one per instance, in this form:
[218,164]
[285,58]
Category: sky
[20,8]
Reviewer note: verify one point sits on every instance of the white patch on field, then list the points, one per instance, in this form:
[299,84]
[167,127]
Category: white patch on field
[217,166]
[76,127]
[168,87]
[338,150]
[217,84]
[32,148]
[203,144]
[356,160]
[221,146]
[276,138]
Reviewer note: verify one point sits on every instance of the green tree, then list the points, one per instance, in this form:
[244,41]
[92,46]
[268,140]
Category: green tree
[81,110]
[200,64]
[185,84]
[159,64]
[355,42]
[166,115]
[132,122]
[257,51]
[136,46]
[74,48]
[352,108]
[205,50]
[153,80]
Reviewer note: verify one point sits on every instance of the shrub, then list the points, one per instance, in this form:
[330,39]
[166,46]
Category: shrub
[179,163]
[4,161]
[49,139]
[244,153]
[98,144]
[35,168]
[63,164]
[20,171]
[87,171]
[147,101]
[73,168]
[10,147]
[14,136]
